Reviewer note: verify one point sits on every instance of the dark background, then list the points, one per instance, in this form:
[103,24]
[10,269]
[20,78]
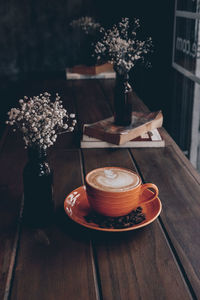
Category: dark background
[35,41]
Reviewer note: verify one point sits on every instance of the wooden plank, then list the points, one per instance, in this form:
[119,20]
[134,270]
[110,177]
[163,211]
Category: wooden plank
[61,267]
[90,101]
[148,157]
[12,161]
[186,163]
[76,239]
[135,265]
[107,87]
[179,192]
[65,91]
[115,273]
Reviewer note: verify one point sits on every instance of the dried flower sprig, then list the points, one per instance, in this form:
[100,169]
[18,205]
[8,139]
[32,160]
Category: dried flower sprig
[85,32]
[41,120]
[87,24]
[121,47]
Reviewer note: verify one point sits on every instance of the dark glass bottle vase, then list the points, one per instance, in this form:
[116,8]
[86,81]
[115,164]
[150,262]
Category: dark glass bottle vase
[122,101]
[38,196]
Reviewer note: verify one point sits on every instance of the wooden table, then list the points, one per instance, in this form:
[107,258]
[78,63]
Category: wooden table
[160,261]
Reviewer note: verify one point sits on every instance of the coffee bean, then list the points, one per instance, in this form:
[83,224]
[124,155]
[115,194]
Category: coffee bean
[127,218]
[133,218]
[138,209]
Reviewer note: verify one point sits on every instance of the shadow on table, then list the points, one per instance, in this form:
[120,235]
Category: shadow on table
[78,232]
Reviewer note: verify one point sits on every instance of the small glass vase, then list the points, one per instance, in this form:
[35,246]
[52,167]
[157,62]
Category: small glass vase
[38,196]
[122,100]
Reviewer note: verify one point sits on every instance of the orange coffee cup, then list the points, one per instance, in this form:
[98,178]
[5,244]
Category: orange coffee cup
[114,191]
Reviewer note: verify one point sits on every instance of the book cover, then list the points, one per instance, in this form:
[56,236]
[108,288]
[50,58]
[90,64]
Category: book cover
[103,75]
[151,139]
[91,72]
[107,131]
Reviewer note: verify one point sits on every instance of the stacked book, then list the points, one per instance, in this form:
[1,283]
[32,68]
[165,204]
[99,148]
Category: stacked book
[143,132]
[104,71]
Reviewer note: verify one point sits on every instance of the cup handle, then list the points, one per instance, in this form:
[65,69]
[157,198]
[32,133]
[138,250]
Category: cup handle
[151,186]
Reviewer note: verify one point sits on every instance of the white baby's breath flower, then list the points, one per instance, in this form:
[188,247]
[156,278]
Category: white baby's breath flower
[40,120]
[121,48]
[72,115]
[87,24]
[65,126]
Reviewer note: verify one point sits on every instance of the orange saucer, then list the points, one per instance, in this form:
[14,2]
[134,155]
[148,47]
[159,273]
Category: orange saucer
[77,207]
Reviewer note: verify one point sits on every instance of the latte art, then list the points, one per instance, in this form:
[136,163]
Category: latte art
[113,179]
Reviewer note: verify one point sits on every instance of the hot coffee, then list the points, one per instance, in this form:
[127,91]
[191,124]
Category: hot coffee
[114,191]
[113,179]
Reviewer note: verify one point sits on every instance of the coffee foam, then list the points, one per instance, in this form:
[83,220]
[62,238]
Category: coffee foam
[113,179]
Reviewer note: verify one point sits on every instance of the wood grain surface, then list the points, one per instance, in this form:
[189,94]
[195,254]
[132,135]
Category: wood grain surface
[59,258]
[179,185]
[12,163]
[67,261]
[146,268]
[180,197]
[12,160]
[108,157]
